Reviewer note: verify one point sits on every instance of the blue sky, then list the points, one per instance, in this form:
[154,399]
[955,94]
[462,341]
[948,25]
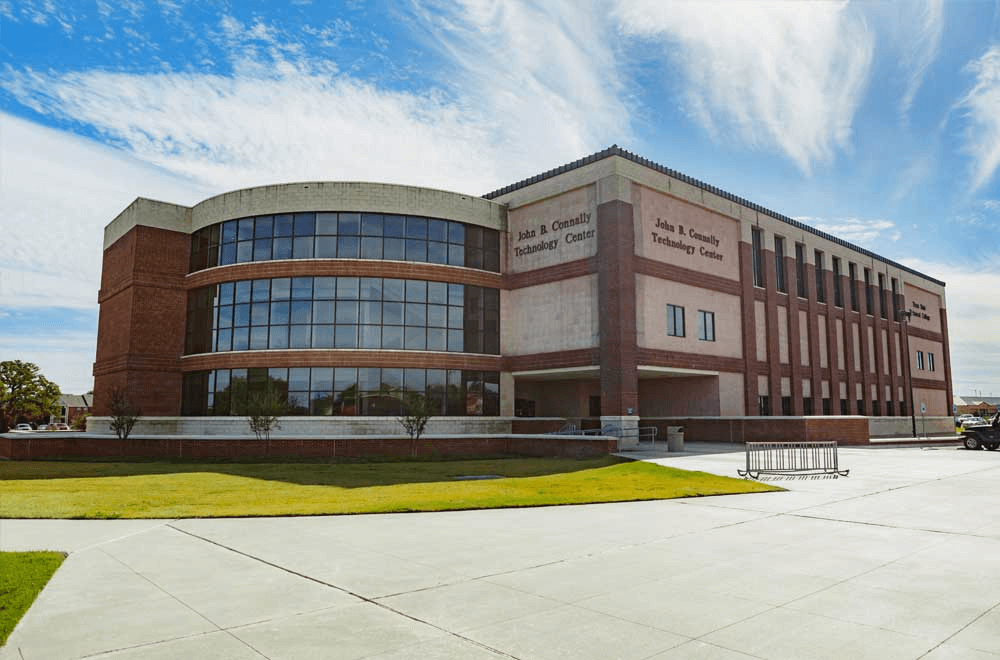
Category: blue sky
[876,121]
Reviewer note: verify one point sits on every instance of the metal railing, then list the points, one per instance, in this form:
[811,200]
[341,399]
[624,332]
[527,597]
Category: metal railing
[792,458]
[642,433]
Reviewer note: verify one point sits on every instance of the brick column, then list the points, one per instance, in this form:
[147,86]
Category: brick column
[833,372]
[616,295]
[749,329]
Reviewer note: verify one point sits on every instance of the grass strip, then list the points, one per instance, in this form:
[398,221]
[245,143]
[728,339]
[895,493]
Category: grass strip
[23,575]
[193,490]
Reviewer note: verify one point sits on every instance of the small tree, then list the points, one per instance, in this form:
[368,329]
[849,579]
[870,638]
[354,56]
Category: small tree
[416,413]
[123,414]
[80,423]
[25,393]
[263,409]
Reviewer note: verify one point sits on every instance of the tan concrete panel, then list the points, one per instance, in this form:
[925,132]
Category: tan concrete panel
[761,315]
[554,231]
[936,401]
[652,296]
[898,349]
[731,400]
[786,386]
[806,388]
[840,343]
[672,231]
[557,316]
[804,337]
[824,359]
[884,344]
[870,339]
[856,331]
[149,213]
[783,334]
[926,346]
[926,308]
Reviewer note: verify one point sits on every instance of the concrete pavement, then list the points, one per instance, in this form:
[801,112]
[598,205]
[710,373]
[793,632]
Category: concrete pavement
[898,560]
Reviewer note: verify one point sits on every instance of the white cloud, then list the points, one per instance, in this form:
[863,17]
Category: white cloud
[921,45]
[860,231]
[65,358]
[982,109]
[785,75]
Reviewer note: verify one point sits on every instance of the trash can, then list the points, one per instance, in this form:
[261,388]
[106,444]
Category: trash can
[675,438]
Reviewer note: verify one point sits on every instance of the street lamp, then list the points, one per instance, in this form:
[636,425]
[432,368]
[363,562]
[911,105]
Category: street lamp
[904,318]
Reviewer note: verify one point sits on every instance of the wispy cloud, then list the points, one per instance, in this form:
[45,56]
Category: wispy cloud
[982,109]
[784,75]
[861,231]
[921,47]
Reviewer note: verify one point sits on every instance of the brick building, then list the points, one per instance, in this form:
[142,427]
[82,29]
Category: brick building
[610,289]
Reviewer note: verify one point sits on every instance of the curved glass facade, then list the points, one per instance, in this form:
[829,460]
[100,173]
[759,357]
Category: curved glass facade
[343,312]
[329,235]
[324,391]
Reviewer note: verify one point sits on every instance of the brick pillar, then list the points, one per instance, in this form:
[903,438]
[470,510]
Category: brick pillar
[616,295]
[749,329]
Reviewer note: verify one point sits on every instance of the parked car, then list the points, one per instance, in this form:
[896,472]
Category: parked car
[977,436]
[23,427]
[973,421]
[59,426]
[43,427]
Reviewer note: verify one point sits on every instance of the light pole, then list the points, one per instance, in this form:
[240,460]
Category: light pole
[904,319]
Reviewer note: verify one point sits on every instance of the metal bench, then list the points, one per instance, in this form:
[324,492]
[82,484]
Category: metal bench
[792,458]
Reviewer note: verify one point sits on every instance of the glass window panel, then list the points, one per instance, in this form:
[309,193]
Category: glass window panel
[322,404]
[394,226]
[281,288]
[301,311]
[241,339]
[326,247]
[221,379]
[225,340]
[298,378]
[393,289]
[263,226]
[437,316]
[416,291]
[244,252]
[416,314]
[325,288]
[226,316]
[300,336]
[326,224]
[473,258]
[437,253]
[392,377]
[258,338]
[416,250]
[456,294]
[437,230]
[245,232]
[321,378]
[371,288]
[346,336]
[345,378]
[370,312]
[302,288]
[371,224]
[258,313]
[371,336]
[281,248]
[279,375]
[348,247]
[305,224]
[322,336]
[415,380]
[437,293]
[227,254]
[437,339]
[392,337]
[394,249]
[350,224]
[456,255]
[229,231]
[369,379]
[456,233]
[261,290]
[456,341]
[347,288]
[416,228]
[415,339]
[241,315]
[456,319]
[322,311]
[347,311]
[302,248]
[279,337]
[392,313]
[371,248]
[491,261]
[283,225]
[298,403]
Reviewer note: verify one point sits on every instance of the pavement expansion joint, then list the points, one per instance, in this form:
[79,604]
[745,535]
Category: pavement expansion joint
[952,636]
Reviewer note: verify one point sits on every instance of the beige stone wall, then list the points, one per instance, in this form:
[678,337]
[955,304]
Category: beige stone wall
[936,401]
[557,316]
[553,231]
[652,296]
[926,307]
[731,400]
[149,213]
[927,346]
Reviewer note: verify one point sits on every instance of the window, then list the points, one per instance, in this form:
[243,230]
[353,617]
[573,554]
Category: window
[706,325]
[861,406]
[779,264]
[852,283]
[930,362]
[763,405]
[869,306]
[758,257]
[827,407]
[838,297]
[807,406]
[920,360]
[890,409]
[876,411]
[786,406]
[895,299]
[675,321]
[800,268]
[820,284]
[844,408]
[882,307]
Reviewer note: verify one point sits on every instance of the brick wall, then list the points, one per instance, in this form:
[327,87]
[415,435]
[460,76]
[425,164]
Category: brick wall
[845,430]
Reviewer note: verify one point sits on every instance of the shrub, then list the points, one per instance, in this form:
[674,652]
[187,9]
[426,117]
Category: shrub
[416,413]
[123,414]
[263,409]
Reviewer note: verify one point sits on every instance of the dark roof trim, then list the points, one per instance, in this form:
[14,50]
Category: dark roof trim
[615,150]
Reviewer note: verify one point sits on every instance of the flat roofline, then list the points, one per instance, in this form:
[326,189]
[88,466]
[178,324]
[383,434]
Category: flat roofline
[615,150]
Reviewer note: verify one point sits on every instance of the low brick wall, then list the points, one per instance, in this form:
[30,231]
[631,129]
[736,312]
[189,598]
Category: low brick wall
[846,430]
[536,424]
[83,445]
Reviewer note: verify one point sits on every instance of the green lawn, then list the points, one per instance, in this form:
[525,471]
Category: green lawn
[57,489]
[22,577]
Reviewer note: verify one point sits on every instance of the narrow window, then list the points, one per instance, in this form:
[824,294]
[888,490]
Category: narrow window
[706,325]
[895,299]
[779,264]
[800,268]
[882,307]
[675,321]
[920,360]
[852,283]
[838,294]
[786,406]
[763,405]
[930,362]
[758,257]
[869,307]
[820,284]
[807,406]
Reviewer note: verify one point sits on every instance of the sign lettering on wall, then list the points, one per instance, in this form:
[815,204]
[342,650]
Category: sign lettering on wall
[688,240]
[919,312]
[554,235]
